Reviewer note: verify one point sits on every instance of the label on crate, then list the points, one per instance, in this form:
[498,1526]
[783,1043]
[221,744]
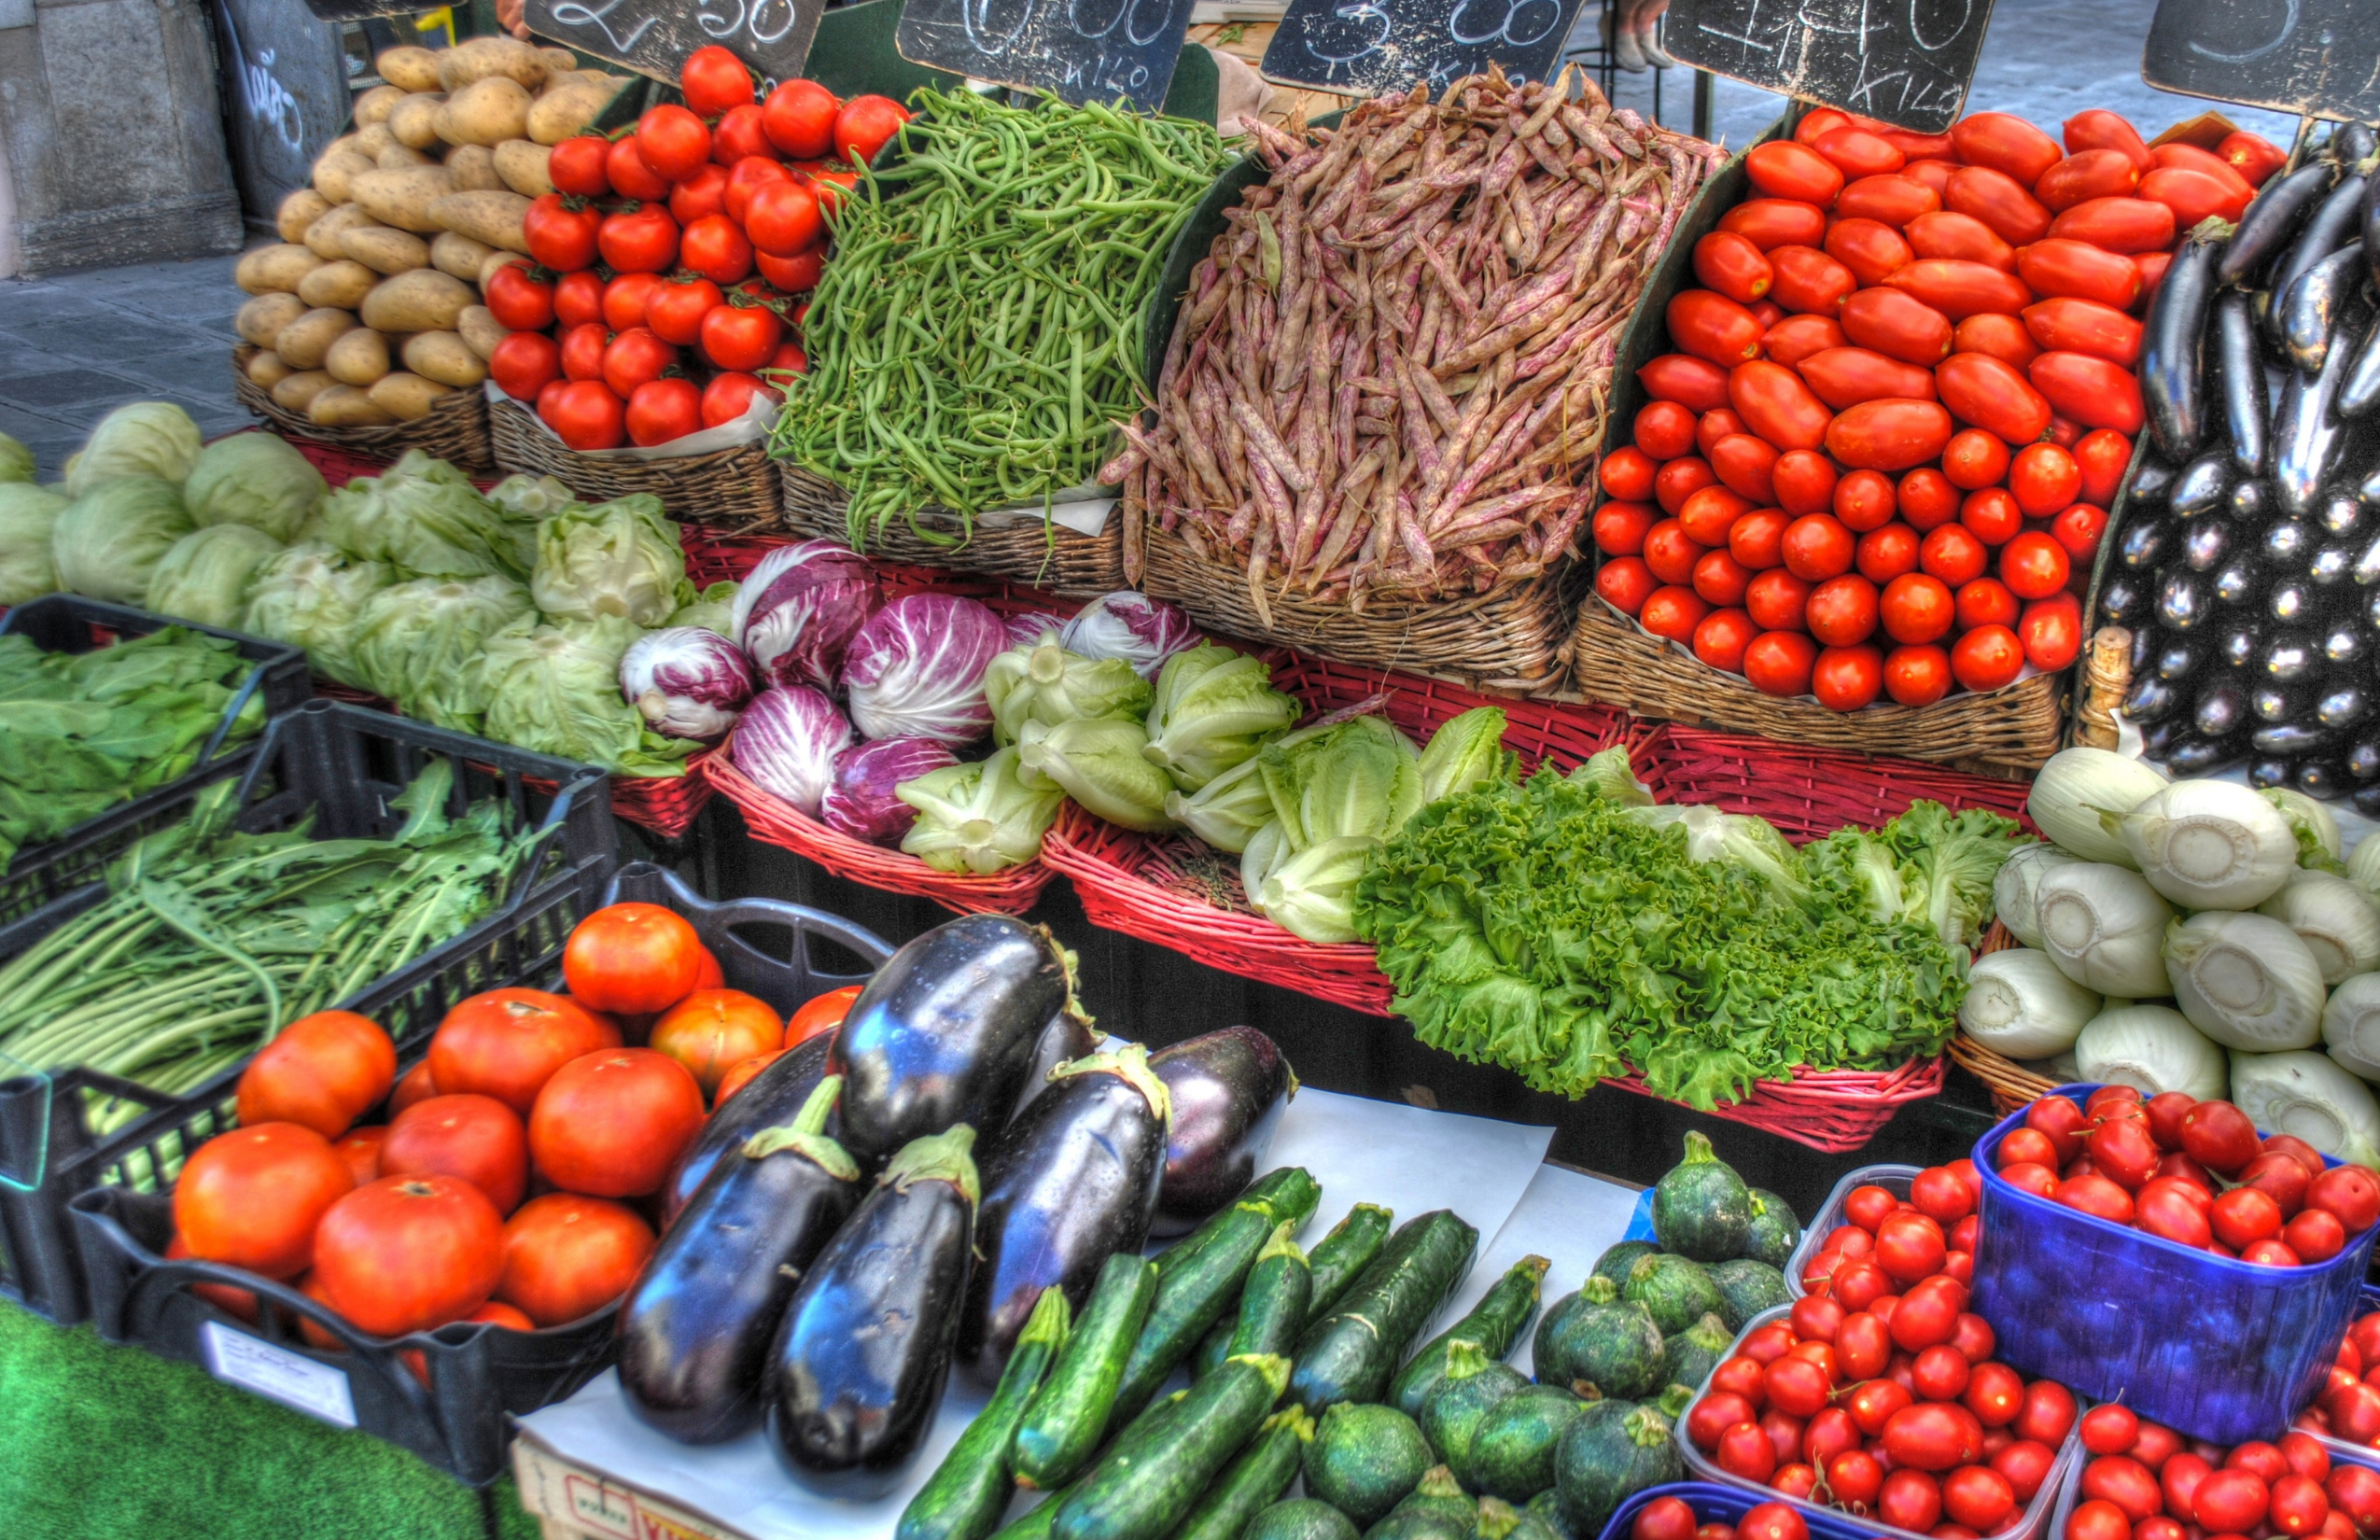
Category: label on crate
[773,36]
[278,1374]
[2310,57]
[1359,48]
[1084,51]
[1909,64]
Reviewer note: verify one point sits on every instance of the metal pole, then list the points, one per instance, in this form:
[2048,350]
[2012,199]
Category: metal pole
[1703,93]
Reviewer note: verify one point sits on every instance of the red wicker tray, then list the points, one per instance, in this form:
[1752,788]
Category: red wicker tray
[1806,792]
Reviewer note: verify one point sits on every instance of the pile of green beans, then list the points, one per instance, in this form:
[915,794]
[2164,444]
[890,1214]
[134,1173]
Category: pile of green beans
[979,327]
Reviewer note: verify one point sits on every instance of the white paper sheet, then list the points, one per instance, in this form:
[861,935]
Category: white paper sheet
[1410,1159]
[1567,1217]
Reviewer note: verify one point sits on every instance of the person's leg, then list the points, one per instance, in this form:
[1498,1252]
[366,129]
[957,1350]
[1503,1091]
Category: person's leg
[1649,27]
[1628,49]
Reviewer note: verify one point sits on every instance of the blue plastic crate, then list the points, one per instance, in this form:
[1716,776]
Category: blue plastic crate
[2214,1349]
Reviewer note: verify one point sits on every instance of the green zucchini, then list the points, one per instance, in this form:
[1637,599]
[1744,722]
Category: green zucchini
[1207,1270]
[1036,1522]
[1339,1258]
[1496,1323]
[1256,1479]
[968,1493]
[1512,1449]
[1365,1460]
[1675,1289]
[1749,1287]
[1301,1520]
[1473,1383]
[1144,1487]
[1350,1353]
[1688,1357]
[1272,1307]
[1701,1209]
[1603,1460]
[1593,1342]
[1061,1428]
[1438,1492]
[1774,1233]
[1213,1347]
[1616,1261]
[1290,1192]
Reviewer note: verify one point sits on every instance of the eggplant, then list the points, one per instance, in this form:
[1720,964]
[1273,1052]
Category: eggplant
[2307,316]
[2272,703]
[1229,1090]
[2343,647]
[1067,1038]
[2267,772]
[2371,611]
[2203,756]
[2341,515]
[2172,383]
[695,1327]
[777,1095]
[2202,487]
[2271,219]
[2290,601]
[2182,599]
[2205,541]
[2344,707]
[2351,143]
[2307,429]
[2363,760]
[2236,646]
[2151,699]
[2239,368]
[2321,779]
[2332,223]
[2329,567]
[2367,801]
[2248,504]
[1068,1184]
[2236,586]
[2124,600]
[947,1032]
[2152,481]
[859,1362]
[2285,658]
[2158,737]
[2359,392]
[2142,545]
[2287,543]
[2292,737]
[2146,642]
[2221,710]
[2180,660]
[2366,566]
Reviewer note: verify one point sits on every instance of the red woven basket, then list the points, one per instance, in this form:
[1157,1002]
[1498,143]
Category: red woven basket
[1808,793]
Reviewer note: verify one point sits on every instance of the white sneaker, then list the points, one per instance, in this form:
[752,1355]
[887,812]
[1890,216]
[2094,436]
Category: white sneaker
[1629,50]
[1656,55]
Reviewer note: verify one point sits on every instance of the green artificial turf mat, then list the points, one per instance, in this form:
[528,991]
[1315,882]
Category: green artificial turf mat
[105,1443]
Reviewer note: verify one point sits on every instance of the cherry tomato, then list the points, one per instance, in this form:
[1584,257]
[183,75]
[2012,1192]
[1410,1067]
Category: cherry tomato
[1986,659]
[1772,1521]
[1663,1518]
[1771,222]
[1952,554]
[1745,1452]
[1779,662]
[1817,547]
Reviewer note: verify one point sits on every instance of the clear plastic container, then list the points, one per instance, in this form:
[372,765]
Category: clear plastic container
[1892,1178]
[2366,1302]
[1713,1503]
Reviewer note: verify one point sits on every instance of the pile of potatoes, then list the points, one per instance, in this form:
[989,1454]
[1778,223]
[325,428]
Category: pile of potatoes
[370,310]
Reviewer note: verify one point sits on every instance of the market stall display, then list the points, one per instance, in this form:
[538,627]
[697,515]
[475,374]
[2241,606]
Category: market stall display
[2243,571]
[2133,1471]
[2344,1411]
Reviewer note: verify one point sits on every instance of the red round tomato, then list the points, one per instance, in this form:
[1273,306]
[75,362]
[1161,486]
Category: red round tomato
[506,1044]
[1917,607]
[1886,554]
[1777,600]
[560,236]
[566,1256]
[1796,1387]
[640,239]
[1671,553]
[630,174]
[1625,583]
[1990,515]
[408,1252]
[2026,1464]
[674,309]
[1847,678]
[714,81]
[1987,658]
[1803,481]
[577,300]
[2350,1194]
[1772,1521]
[1663,1518]
[475,1137]
[1745,1452]
[711,1030]
[252,1197]
[864,125]
[360,1149]
[1995,1393]
[729,396]
[2315,1235]
[748,176]
[1917,676]
[518,301]
[1952,554]
[1627,473]
[415,1085]
[609,1124]
[2034,565]
[2097,1520]
[321,1072]
[1720,578]
[714,247]
[743,1074]
[1663,431]
[741,334]
[634,356]
[1619,527]
[699,196]
[1842,611]
[1720,639]
[673,141]
[1910,1500]
[661,410]
[633,958]
[1708,515]
[2298,1506]
[1864,500]
[1714,1413]
[2077,529]
[626,297]
[1672,612]
[1679,480]
[1779,662]
[799,117]
[742,132]
[2244,1216]
[576,166]
[1816,547]
[796,275]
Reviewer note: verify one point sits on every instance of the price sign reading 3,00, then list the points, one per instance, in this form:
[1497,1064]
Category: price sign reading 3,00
[1084,51]
[1367,47]
[653,38]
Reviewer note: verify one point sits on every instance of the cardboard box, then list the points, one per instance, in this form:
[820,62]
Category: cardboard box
[571,1501]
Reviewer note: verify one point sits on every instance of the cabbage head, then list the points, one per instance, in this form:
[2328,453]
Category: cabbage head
[205,577]
[615,560]
[555,689]
[110,538]
[313,595]
[713,609]
[143,439]
[525,499]
[425,518]
[28,524]
[418,643]
[15,461]
[255,479]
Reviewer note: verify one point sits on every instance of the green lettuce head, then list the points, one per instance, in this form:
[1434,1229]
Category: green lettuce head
[418,643]
[555,689]
[1609,775]
[977,819]
[257,480]
[143,439]
[1214,709]
[1361,776]
[1465,751]
[1098,764]
[1045,683]
[206,575]
[525,499]
[1228,811]
[15,461]
[313,595]
[615,560]
[713,609]
[110,538]
[28,526]
[1312,894]
[424,519]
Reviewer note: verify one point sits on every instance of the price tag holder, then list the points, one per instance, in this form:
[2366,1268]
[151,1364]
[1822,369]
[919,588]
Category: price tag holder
[654,37]
[278,1374]
[2315,58]
[1907,63]
[356,11]
[1083,50]
[1366,47]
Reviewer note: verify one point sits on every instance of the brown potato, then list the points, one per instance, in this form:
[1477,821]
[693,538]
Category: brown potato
[408,69]
[559,63]
[498,260]
[403,197]
[269,269]
[400,158]
[337,285]
[359,357]
[407,396]
[266,369]
[491,218]
[458,255]
[446,358]
[383,250]
[323,237]
[563,112]
[304,341]
[485,112]
[479,327]
[344,406]
[260,320]
[478,59]
[521,165]
[337,168]
[372,141]
[299,210]
[296,391]
[424,299]
[471,168]
[415,120]
[373,107]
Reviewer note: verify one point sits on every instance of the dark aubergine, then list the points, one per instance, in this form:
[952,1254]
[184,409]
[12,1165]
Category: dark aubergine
[2341,515]
[2236,646]
[2271,219]
[2321,779]
[2263,775]
[2203,756]
[2239,369]
[2272,703]
[2290,602]
[2248,505]
[2180,660]
[777,1095]
[1067,1038]
[946,1031]
[2158,737]
[1229,1088]
[2308,315]
[2285,543]
[2151,699]
[2173,372]
[2124,598]
[2351,143]
[2221,710]
[2331,225]
[1068,1183]
[2344,707]
[859,1362]
[2146,642]
[2363,760]
[2203,486]
[2236,586]
[2152,481]
[696,1328]
[2286,657]
[2307,432]
[2292,737]
[2182,599]
[2204,543]
[2359,392]
[2143,543]
[2367,800]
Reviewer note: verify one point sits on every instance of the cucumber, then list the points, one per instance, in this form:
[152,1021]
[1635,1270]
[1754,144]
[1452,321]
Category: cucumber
[1604,1460]
[1061,1428]
[1213,1347]
[1616,1261]
[1676,1290]
[1439,1493]
[1365,1460]
[1545,1510]
[1258,1477]
[1350,1353]
[1774,1233]
[1512,1449]
[1144,1488]
[1495,1323]
[1035,1524]
[1473,1383]
[1272,1308]
[1303,1519]
[1207,1270]
[1688,1357]
[1340,1257]
[1597,1344]
[1749,1287]
[968,1493]
[1701,1209]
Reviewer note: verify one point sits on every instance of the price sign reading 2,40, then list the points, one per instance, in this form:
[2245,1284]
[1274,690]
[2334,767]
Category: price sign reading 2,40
[653,38]
[1365,46]
[1907,62]
[1084,51]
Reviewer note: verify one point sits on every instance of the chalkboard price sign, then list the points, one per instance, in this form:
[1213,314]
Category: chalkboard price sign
[2318,58]
[1083,50]
[654,37]
[1368,46]
[1906,61]
[356,11]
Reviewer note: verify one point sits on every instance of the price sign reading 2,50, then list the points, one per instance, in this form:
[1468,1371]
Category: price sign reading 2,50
[1084,51]
[1370,46]
[654,37]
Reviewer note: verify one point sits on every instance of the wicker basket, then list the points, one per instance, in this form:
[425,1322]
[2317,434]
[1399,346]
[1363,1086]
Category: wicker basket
[1808,793]
[733,487]
[1514,638]
[2013,1086]
[1831,1109]
[455,431]
[1049,556]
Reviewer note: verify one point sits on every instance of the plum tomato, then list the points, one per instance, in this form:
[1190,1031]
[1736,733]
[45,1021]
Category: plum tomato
[1912,1500]
[1863,1345]
[1909,1246]
[1869,1206]
[2111,1429]
[1873,1404]
[1978,1497]
[1995,1393]
[2048,1413]
[1663,1518]
[2231,1501]
[1745,1452]
[2244,1216]
[2350,1194]
[2315,1235]
[2125,1482]
[1712,1415]
[2280,1176]
[2125,1152]
[2025,1463]
[1772,1521]
[1815,1318]
[2097,1520]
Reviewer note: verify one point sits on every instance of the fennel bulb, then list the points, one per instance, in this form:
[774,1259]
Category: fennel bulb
[2105,927]
[2338,921]
[2363,867]
[2150,1048]
[2211,844]
[2306,1095]
[2019,1004]
[2076,786]
[2351,1025]
[2016,888]
[2316,828]
[2245,980]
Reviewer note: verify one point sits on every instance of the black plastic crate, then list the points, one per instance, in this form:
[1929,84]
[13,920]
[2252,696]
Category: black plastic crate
[344,767]
[63,623]
[475,1374]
